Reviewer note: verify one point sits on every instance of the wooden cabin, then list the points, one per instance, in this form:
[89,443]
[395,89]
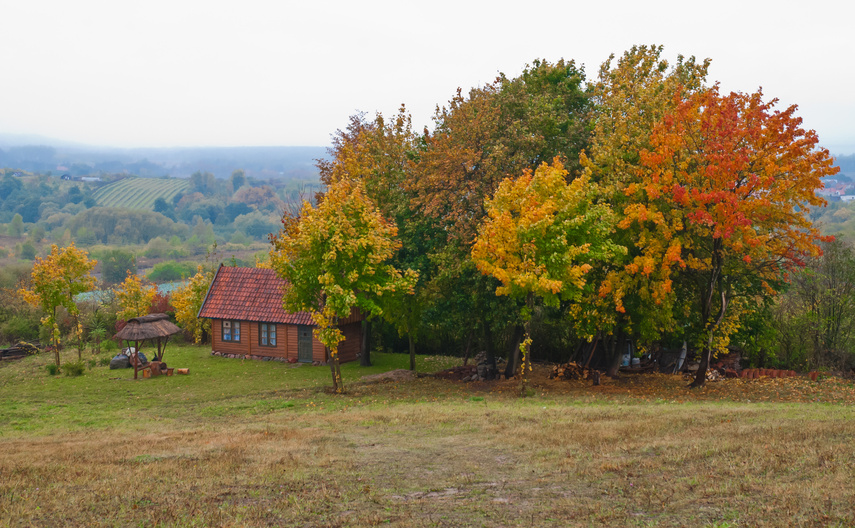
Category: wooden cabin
[245,306]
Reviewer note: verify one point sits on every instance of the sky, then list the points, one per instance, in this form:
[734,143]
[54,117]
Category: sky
[213,73]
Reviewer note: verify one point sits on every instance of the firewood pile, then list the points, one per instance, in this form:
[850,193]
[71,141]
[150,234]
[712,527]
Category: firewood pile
[20,350]
[569,371]
[457,373]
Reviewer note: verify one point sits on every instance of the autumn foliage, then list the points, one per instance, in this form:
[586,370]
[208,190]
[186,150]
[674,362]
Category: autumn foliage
[642,207]
[55,280]
[335,258]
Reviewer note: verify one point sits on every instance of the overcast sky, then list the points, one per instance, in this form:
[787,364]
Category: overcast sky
[194,73]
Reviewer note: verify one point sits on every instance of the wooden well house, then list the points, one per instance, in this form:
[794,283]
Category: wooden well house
[245,306]
[154,329]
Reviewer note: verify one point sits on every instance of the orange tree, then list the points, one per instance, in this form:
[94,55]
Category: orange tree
[56,280]
[334,258]
[629,97]
[541,238]
[720,207]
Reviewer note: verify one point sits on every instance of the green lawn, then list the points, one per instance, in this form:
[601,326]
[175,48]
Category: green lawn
[248,443]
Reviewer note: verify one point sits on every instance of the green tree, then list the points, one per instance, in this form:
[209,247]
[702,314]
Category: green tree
[334,259]
[116,264]
[16,226]
[203,182]
[238,180]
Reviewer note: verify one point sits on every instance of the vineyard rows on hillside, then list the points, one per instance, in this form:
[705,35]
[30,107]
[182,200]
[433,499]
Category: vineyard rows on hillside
[139,193]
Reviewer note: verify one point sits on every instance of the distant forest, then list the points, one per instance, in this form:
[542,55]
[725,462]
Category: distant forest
[263,163]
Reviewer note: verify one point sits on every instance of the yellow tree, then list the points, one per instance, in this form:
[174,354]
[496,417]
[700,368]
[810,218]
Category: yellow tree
[56,279]
[334,258]
[541,238]
[188,301]
[134,298]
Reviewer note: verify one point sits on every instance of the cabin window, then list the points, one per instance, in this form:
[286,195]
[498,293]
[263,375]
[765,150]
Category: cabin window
[231,331]
[267,334]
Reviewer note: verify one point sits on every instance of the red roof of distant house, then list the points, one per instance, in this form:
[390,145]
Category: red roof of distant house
[249,294]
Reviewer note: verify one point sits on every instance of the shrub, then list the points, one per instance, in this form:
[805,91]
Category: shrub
[52,369]
[19,327]
[74,369]
[171,271]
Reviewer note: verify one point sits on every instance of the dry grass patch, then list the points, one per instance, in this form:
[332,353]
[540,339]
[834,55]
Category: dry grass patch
[251,444]
[472,463]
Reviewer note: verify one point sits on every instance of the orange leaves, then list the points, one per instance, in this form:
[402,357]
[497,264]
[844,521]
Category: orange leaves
[752,170]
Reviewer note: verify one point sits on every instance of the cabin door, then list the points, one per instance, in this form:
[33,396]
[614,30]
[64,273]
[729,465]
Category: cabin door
[304,344]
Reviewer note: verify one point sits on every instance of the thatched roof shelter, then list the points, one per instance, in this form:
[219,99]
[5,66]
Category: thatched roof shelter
[147,327]
[152,327]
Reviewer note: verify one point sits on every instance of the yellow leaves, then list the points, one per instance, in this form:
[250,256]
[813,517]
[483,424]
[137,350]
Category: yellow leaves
[56,279]
[188,300]
[134,298]
[541,233]
[335,256]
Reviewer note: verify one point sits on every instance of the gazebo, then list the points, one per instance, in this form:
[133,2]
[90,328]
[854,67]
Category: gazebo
[153,327]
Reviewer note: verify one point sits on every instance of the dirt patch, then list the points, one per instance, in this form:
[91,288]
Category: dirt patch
[392,375]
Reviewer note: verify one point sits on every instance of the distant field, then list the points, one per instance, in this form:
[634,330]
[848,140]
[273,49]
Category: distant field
[139,193]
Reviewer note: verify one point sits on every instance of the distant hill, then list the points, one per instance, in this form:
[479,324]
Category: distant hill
[846,164]
[257,162]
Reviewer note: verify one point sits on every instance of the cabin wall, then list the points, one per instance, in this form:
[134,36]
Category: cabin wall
[286,342]
[318,350]
[348,350]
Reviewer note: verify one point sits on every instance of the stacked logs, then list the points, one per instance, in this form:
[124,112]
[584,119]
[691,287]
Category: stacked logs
[20,350]
[569,371]
[768,373]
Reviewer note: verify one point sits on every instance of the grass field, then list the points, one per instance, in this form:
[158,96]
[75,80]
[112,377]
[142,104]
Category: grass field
[139,193]
[245,443]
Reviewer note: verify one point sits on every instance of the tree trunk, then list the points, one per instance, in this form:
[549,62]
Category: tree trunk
[706,355]
[365,357]
[619,351]
[335,370]
[468,344]
[412,351]
[514,353]
[701,375]
[525,366]
[593,349]
[491,353]
[79,339]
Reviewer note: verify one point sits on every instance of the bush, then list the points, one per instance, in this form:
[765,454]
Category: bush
[52,369]
[19,328]
[171,271]
[74,369]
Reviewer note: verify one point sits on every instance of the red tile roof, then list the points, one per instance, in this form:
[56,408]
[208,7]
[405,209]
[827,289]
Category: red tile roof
[249,294]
